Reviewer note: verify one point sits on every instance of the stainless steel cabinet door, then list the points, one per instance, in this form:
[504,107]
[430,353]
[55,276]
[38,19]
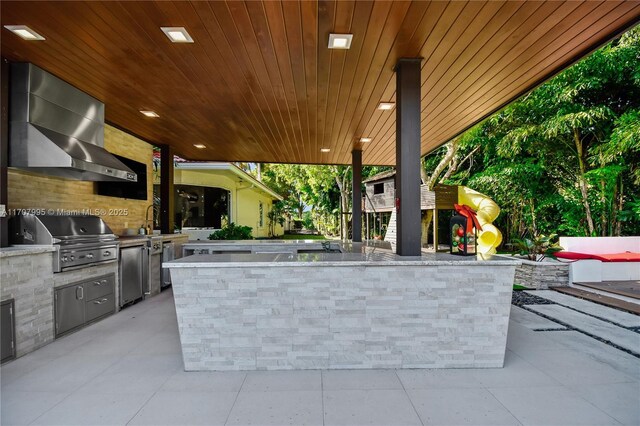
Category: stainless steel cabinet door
[7,337]
[131,273]
[69,308]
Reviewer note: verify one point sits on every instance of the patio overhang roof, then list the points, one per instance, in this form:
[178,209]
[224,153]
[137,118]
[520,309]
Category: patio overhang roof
[234,170]
[260,84]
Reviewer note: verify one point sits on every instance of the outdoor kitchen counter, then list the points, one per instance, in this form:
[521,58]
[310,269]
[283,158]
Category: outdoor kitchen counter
[132,240]
[242,260]
[24,250]
[257,246]
[341,310]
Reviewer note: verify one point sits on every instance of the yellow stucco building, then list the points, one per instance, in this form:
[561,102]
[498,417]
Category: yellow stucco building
[210,194]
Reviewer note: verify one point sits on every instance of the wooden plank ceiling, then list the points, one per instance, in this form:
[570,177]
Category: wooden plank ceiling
[260,84]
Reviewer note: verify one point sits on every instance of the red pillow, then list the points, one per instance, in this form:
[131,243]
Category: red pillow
[572,255]
[622,257]
[609,257]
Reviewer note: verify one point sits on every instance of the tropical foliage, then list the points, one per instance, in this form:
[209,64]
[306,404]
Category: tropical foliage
[563,159]
[232,231]
[538,247]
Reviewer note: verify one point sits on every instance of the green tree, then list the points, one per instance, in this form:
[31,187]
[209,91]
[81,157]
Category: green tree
[581,131]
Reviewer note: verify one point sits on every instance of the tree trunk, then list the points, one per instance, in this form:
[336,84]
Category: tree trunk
[423,172]
[343,186]
[455,164]
[426,226]
[533,216]
[452,149]
[603,213]
[430,182]
[582,181]
[300,206]
[619,209]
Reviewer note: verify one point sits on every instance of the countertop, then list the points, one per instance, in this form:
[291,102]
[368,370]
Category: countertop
[24,250]
[334,259]
[173,236]
[132,240]
[136,240]
[262,242]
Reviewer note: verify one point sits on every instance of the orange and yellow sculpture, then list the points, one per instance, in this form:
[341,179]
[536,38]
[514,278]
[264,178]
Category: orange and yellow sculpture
[486,212]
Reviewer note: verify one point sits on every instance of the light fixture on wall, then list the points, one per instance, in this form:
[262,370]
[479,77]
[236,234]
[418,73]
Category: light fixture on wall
[365,140]
[199,146]
[386,106]
[150,114]
[324,150]
[177,34]
[24,32]
[340,41]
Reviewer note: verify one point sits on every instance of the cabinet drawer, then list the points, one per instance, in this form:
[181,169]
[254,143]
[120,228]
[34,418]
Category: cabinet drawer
[101,306]
[99,287]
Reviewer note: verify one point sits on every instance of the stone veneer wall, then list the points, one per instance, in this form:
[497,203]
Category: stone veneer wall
[338,317]
[542,275]
[29,280]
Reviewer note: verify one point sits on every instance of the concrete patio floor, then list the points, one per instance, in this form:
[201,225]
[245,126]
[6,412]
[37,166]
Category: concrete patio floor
[127,369]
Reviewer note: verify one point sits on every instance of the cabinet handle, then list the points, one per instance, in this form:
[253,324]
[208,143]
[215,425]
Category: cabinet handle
[99,302]
[98,283]
[80,289]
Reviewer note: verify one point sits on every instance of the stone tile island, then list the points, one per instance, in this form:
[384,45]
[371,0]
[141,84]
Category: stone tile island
[361,308]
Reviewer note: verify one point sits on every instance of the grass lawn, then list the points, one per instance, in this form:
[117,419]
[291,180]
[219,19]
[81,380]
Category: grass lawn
[302,237]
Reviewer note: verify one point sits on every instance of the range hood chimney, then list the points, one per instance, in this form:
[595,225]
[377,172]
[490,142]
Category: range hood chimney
[58,130]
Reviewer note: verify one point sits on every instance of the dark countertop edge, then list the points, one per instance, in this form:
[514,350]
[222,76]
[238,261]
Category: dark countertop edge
[132,241]
[172,236]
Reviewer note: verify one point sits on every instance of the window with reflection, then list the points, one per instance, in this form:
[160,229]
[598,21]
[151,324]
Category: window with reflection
[201,207]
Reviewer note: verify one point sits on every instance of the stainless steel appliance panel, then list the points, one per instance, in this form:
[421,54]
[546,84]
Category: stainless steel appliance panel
[132,264]
[28,78]
[69,309]
[100,306]
[7,331]
[155,273]
[99,287]
[155,267]
[168,254]
[58,130]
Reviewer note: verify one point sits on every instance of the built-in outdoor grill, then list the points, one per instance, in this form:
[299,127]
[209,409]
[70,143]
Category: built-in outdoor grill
[79,240]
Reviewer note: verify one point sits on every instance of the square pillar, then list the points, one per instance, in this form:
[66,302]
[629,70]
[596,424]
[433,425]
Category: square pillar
[356,194]
[4,151]
[408,126]
[167,214]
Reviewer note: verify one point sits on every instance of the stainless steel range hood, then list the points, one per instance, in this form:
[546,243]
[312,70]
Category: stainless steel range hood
[58,130]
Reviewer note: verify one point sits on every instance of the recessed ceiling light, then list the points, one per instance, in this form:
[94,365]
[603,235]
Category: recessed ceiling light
[150,114]
[24,32]
[324,150]
[365,140]
[385,106]
[199,146]
[340,41]
[177,34]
